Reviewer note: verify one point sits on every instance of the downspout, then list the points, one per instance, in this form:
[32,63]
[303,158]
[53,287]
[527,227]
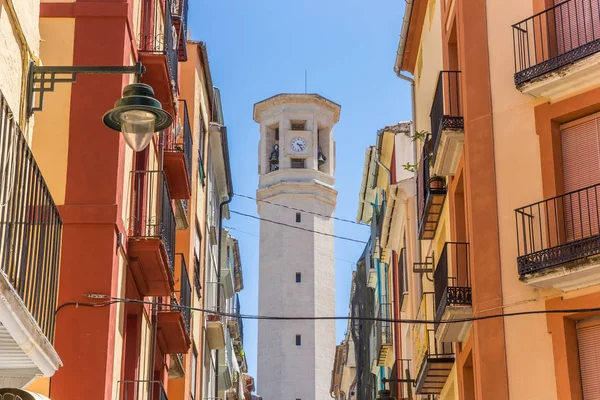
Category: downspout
[223,130]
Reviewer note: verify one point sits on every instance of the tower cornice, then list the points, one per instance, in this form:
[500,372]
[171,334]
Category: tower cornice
[284,98]
[317,189]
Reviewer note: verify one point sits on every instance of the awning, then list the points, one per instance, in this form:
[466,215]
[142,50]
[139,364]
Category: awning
[19,394]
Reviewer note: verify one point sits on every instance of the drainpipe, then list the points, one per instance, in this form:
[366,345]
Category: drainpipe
[412,128]
[223,131]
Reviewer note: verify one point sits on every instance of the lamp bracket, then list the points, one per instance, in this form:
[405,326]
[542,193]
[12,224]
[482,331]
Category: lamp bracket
[42,78]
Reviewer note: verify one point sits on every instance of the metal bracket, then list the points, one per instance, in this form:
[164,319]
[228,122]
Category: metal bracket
[42,79]
[424,267]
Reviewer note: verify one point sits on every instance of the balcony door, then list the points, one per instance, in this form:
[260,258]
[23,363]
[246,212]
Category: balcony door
[580,142]
[577,23]
[588,343]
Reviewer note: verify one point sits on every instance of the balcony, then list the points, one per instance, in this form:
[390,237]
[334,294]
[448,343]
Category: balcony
[181,215]
[158,51]
[142,390]
[447,125]
[431,194]
[180,18]
[151,231]
[178,155]
[433,360]
[215,324]
[384,339]
[174,322]
[556,50]
[452,293]
[176,368]
[234,324]
[400,379]
[226,365]
[558,240]
[30,244]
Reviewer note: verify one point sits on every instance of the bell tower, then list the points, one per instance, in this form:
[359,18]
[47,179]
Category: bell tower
[296,201]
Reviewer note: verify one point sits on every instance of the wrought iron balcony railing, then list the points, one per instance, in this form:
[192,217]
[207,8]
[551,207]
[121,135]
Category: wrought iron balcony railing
[400,381]
[451,278]
[431,194]
[30,225]
[152,211]
[140,390]
[184,294]
[178,139]
[556,37]
[180,17]
[446,109]
[558,230]
[160,37]
[402,276]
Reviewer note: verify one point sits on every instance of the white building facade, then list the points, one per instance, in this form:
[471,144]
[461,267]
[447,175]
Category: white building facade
[296,202]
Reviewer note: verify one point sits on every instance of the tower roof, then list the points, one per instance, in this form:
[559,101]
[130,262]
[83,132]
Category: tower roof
[296,98]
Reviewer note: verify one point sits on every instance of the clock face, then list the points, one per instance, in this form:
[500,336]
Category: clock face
[298,144]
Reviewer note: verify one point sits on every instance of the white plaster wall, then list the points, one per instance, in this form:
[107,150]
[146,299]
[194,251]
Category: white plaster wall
[287,371]
[15,53]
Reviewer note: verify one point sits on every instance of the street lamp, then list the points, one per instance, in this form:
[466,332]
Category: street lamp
[137,114]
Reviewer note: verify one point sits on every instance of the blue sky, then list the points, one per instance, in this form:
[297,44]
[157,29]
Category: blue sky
[258,48]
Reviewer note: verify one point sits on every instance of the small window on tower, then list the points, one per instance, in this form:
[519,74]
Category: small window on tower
[298,340]
[298,277]
[298,163]
[298,217]
[298,125]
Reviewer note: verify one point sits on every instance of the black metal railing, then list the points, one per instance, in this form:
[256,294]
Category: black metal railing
[160,37]
[180,140]
[30,225]
[197,284]
[184,294]
[446,110]
[201,152]
[139,390]
[556,37]
[401,384]
[427,186]
[558,230]
[451,278]
[384,328]
[180,16]
[435,350]
[152,211]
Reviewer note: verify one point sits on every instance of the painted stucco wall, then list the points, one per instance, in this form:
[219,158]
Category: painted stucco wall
[20,44]
[519,182]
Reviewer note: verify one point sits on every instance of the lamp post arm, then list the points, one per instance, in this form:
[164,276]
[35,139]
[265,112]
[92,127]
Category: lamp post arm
[43,78]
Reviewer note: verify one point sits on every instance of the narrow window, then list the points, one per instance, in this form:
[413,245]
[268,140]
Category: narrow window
[298,217]
[298,125]
[298,277]
[298,340]
[298,163]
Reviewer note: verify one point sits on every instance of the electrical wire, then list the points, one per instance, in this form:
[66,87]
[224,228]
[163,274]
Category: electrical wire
[297,227]
[353,263]
[300,210]
[328,318]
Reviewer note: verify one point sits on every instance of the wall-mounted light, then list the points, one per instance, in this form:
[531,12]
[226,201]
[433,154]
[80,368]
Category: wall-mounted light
[137,114]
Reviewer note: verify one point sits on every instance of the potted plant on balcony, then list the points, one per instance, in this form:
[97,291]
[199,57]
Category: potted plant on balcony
[437,182]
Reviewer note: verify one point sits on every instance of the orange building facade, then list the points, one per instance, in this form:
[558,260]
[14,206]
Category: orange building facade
[499,214]
[116,240]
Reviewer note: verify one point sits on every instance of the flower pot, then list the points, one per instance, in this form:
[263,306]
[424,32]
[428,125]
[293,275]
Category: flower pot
[437,182]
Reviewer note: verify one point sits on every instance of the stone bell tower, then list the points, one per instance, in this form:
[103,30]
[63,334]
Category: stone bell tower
[296,273]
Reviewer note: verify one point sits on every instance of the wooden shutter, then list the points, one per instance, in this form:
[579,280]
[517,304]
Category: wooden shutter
[581,168]
[588,341]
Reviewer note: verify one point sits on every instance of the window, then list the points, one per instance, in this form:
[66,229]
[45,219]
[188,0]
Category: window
[201,152]
[197,284]
[298,125]
[298,163]
[588,343]
[298,277]
[298,340]
[298,217]
[193,373]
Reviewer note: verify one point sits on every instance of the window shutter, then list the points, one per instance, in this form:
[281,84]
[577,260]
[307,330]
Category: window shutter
[581,168]
[588,340]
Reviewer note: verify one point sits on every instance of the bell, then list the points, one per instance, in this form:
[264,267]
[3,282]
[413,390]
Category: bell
[322,159]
